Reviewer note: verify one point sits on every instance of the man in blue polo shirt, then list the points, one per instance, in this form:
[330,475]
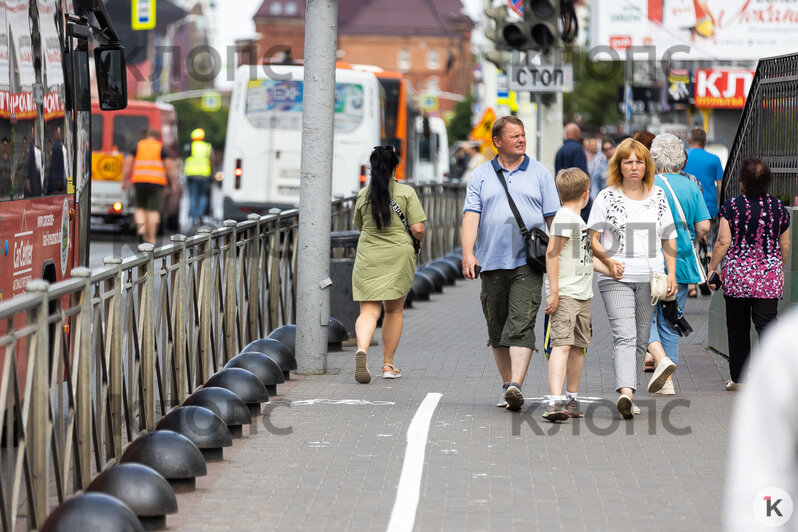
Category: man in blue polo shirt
[491,239]
[707,169]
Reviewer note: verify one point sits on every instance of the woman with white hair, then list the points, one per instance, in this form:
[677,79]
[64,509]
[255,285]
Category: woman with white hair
[691,219]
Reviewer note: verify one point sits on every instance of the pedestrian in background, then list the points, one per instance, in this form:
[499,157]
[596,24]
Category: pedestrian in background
[572,155]
[645,138]
[754,239]
[706,167]
[387,213]
[625,217]
[511,290]
[691,219]
[569,265]
[198,174]
[608,148]
[151,170]
[596,167]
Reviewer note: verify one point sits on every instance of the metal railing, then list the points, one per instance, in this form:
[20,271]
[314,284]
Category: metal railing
[768,129]
[91,362]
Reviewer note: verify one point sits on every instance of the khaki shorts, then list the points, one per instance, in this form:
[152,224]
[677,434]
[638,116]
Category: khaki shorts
[570,324]
[510,302]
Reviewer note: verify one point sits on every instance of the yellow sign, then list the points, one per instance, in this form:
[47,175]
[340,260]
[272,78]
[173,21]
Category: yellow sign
[484,128]
[106,166]
[142,15]
[429,102]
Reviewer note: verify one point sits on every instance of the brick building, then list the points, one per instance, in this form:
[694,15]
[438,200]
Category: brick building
[428,40]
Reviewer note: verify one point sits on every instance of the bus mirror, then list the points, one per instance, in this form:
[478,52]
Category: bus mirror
[109,63]
[84,7]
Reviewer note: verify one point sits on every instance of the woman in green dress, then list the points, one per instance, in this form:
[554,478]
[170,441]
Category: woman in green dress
[386,260]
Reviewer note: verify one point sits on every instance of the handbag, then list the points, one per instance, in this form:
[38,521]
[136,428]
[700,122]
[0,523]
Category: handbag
[398,211]
[535,241]
[699,265]
[659,284]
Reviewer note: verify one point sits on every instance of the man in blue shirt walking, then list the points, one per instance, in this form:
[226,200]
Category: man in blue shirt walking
[707,169]
[492,241]
[571,155]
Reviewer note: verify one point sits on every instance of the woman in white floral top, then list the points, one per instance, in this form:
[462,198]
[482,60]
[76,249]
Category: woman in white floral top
[630,226]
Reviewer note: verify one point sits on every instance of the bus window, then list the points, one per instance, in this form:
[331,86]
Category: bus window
[275,104]
[96,132]
[127,132]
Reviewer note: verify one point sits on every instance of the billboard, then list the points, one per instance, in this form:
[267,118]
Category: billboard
[722,88]
[712,29]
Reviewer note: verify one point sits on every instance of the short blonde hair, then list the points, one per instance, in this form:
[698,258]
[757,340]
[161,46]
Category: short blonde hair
[571,184]
[623,151]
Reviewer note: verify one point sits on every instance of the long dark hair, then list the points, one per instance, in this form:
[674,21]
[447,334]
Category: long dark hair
[383,162]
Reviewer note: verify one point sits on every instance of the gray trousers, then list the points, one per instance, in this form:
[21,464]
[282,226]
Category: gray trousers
[629,311]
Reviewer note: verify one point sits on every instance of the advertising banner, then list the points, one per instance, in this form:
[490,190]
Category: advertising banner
[722,88]
[704,29]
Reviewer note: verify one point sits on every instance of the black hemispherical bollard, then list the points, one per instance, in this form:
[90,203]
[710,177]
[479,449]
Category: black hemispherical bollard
[242,383]
[448,269]
[287,335]
[225,404]
[422,286]
[205,429]
[456,263]
[262,366]
[336,335]
[142,489]
[437,276]
[277,351]
[170,454]
[92,511]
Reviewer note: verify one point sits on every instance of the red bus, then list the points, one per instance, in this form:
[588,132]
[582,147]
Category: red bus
[115,134]
[45,127]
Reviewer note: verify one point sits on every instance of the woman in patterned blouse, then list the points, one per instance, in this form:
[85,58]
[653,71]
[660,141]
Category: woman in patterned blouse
[754,238]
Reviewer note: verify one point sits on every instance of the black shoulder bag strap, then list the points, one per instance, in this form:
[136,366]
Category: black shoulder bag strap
[401,215]
[521,226]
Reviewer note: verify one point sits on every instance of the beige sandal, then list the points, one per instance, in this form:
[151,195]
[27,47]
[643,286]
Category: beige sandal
[362,374]
[392,373]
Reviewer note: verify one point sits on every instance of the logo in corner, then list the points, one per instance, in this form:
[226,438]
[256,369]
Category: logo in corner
[773,507]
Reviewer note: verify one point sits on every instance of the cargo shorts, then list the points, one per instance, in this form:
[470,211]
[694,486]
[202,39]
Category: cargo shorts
[570,323]
[510,302]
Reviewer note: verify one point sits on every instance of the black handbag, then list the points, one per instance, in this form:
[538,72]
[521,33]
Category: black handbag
[398,211]
[536,241]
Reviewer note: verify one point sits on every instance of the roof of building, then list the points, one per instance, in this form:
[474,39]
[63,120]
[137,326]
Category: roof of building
[381,17]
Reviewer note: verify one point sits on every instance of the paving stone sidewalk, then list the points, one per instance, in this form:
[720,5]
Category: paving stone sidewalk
[330,453]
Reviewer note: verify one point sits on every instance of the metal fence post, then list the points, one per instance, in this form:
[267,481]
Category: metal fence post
[253,297]
[204,302]
[39,429]
[147,338]
[179,316]
[113,350]
[230,303]
[81,349]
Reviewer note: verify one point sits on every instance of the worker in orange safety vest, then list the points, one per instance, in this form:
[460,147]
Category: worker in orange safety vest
[151,171]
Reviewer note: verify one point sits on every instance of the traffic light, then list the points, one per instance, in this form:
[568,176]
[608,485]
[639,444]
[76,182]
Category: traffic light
[542,23]
[499,55]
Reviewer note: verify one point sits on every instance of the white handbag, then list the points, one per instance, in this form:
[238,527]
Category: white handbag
[659,288]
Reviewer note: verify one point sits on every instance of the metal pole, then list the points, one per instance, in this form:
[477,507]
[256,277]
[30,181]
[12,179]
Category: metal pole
[313,300]
[627,93]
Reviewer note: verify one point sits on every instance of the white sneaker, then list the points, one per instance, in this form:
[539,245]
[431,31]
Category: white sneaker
[635,409]
[667,389]
[733,386]
[624,405]
[663,370]
[502,402]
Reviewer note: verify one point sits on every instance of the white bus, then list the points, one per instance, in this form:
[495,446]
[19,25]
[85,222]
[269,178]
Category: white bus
[433,150]
[264,136]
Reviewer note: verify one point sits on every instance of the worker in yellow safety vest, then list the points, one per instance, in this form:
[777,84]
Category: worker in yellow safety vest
[198,173]
[151,171]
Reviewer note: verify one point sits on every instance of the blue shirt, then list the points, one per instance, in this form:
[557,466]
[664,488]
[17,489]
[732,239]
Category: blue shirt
[500,245]
[695,210]
[707,169]
[571,155]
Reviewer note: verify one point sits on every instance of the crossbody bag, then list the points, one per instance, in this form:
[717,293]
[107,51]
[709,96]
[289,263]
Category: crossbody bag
[535,241]
[398,211]
[699,266]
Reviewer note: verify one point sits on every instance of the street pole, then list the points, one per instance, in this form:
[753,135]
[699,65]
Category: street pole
[313,257]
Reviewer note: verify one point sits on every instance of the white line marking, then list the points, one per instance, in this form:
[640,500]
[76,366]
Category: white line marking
[24,233]
[403,515]
[22,272]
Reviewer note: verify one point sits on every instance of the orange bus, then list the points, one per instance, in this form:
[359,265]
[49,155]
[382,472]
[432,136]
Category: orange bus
[115,134]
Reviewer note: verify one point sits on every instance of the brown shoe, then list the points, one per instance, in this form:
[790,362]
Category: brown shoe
[573,409]
[556,412]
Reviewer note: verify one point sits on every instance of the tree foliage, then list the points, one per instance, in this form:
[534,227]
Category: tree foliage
[191,116]
[460,125]
[595,96]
